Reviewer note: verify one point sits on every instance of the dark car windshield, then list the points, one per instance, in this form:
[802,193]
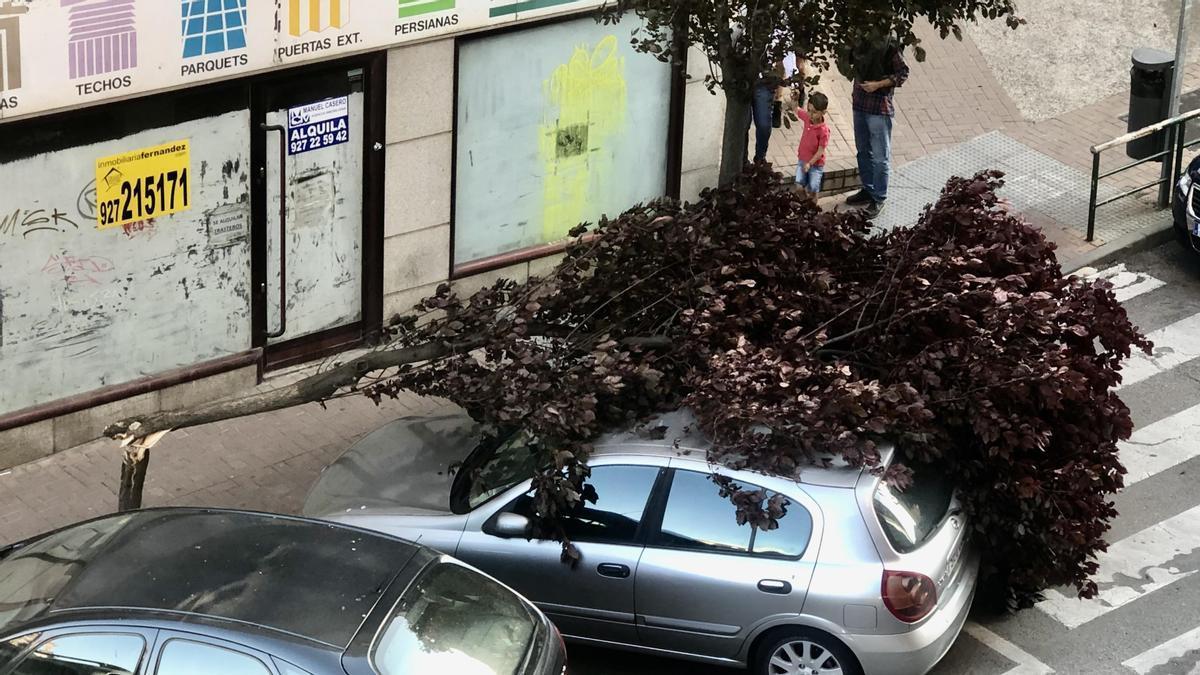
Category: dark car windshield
[33,576]
[491,470]
[454,620]
[910,516]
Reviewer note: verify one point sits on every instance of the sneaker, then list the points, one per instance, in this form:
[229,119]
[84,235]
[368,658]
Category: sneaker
[860,197]
[873,210]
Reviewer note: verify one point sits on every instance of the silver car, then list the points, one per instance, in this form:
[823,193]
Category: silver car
[858,578]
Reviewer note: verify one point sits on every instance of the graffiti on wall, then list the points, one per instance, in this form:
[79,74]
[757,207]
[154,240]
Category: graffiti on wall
[104,306]
[585,101]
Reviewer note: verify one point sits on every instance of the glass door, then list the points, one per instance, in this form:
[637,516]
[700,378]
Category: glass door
[311,140]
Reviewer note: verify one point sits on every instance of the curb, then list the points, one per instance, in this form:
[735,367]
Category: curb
[1127,245]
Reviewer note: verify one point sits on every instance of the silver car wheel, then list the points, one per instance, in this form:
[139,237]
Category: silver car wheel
[803,657]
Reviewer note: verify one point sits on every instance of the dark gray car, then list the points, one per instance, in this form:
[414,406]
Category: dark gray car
[192,591]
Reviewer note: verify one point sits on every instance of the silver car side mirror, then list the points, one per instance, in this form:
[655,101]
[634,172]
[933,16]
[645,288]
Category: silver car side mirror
[511,526]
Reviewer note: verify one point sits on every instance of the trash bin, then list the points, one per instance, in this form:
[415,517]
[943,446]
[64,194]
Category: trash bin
[1149,89]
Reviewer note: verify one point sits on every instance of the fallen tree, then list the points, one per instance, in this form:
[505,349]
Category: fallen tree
[793,333]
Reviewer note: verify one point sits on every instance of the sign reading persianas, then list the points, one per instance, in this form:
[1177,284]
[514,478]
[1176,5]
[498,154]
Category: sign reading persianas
[142,184]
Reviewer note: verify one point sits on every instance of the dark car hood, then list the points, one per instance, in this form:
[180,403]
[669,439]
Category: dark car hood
[404,466]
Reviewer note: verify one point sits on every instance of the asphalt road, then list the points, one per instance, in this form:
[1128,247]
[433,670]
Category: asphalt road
[1147,618]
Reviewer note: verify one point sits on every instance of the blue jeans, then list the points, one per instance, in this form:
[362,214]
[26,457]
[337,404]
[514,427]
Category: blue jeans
[810,180]
[760,112]
[873,140]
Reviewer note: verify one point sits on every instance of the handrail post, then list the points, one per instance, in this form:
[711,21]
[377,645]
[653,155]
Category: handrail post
[1180,139]
[1168,162]
[1091,231]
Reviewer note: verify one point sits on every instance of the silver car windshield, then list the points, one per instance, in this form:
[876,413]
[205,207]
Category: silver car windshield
[454,620]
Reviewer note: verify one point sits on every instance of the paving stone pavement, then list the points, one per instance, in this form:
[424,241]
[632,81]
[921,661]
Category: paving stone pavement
[952,114]
[265,462]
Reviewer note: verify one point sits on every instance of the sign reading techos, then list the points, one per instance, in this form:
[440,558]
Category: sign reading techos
[142,184]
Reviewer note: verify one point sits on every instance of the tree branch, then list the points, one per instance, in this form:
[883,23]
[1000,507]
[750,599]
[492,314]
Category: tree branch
[314,388]
[318,387]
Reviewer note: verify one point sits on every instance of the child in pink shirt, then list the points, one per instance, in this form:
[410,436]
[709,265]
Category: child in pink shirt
[811,168]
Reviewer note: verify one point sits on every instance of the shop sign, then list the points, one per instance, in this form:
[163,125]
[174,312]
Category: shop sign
[318,125]
[141,184]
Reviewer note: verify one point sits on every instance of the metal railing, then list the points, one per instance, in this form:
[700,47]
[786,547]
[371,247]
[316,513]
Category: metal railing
[1172,160]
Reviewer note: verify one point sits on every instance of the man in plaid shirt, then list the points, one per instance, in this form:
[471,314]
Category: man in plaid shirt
[878,68]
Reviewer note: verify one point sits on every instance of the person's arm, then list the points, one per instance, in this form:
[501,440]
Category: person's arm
[898,77]
[817,155]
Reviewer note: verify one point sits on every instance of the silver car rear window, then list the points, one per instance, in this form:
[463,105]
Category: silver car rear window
[454,620]
[910,516]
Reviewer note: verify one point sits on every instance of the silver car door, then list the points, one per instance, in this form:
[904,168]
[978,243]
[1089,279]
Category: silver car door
[706,583]
[594,598]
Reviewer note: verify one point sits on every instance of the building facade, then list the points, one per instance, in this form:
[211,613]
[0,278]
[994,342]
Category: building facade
[194,193]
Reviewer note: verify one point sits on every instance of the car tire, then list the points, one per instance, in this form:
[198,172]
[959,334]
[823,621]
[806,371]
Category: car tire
[803,650]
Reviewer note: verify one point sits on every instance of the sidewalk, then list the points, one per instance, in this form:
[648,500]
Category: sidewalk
[954,118]
[266,462]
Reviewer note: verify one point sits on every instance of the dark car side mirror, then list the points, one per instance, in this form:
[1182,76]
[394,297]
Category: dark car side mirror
[510,526]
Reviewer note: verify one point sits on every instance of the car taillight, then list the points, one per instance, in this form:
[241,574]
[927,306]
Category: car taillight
[909,596]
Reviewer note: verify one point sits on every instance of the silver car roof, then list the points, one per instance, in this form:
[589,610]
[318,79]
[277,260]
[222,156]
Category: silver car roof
[677,433]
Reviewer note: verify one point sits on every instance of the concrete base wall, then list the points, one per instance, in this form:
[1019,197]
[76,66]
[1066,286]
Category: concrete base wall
[44,438]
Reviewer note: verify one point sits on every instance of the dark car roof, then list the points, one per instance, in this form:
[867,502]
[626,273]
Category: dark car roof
[308,578]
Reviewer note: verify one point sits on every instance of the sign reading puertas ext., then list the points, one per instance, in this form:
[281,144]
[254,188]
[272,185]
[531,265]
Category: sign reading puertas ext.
[142,184]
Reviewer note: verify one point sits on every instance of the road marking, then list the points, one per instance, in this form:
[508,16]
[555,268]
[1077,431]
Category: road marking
[1132,568]
[1127,285]
[1185,647]
[1173,345]
[1027,664]
[1161,445]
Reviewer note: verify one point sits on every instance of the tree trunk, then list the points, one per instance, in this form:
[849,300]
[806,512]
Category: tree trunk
[735,137]
[133,478]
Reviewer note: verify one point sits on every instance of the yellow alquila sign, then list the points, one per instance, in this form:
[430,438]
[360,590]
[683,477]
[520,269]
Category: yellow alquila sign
[142,184]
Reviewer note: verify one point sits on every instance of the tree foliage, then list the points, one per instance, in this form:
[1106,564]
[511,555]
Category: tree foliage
[793,334]
[744,38]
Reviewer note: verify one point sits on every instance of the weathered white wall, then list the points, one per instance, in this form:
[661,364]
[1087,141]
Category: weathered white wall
[575,129]
[419,170]
[81,308]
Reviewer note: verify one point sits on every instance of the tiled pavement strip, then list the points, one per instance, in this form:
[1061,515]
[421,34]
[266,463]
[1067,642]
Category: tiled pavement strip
[954,118]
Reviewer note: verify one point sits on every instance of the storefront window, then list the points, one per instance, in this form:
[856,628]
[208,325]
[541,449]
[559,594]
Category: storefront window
[557,125]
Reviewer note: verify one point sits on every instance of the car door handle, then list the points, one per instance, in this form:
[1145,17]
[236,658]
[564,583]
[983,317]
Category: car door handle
[613,570]
[774,586]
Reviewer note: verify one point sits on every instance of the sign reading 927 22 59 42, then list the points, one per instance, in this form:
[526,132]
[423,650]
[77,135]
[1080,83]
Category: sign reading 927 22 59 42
[143,183]
[318,125]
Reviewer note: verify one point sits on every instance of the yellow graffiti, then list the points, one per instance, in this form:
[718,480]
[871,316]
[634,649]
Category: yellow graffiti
[585,108]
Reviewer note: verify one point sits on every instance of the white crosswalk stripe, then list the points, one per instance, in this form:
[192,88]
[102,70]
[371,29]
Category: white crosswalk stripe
[1027,664]
[1127,285]
[1174,345]
[1180,648]
[1162,445]
[1131,568]
[1162,554]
